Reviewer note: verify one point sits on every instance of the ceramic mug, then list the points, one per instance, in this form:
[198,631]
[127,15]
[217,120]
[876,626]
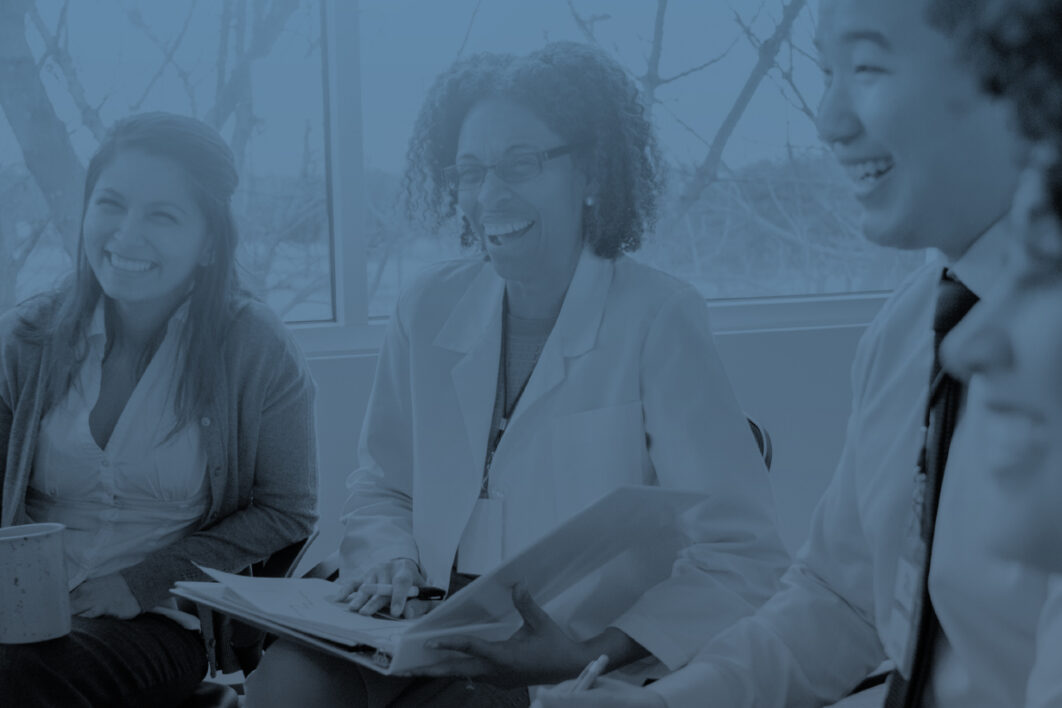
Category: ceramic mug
[34,598]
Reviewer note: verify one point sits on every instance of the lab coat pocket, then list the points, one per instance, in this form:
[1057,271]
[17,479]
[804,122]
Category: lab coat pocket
[593,451]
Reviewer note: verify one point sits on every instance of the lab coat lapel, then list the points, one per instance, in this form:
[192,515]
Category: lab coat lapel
[474,330]
[575,331]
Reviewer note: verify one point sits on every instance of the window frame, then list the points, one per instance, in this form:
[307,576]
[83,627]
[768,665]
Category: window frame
[349,330]
[353,332]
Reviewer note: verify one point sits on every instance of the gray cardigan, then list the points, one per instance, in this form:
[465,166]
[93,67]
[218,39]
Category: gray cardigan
[260,442]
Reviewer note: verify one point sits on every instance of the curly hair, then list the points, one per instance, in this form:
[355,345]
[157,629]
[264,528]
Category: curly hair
[580,94]
[1014,46]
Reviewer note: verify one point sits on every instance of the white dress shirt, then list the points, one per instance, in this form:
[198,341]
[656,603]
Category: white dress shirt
[829,625]
[144,490]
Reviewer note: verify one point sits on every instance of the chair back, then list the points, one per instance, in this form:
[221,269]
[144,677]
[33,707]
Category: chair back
[246,642]
[249,642]
[763,441]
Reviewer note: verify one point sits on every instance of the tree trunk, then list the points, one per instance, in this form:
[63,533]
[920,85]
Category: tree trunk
[46,147]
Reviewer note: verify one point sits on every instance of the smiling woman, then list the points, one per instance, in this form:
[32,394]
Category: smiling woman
[518,385]
[158,412]
[144,235]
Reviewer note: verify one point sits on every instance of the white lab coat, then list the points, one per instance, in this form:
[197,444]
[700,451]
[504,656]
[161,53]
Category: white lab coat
[628,389]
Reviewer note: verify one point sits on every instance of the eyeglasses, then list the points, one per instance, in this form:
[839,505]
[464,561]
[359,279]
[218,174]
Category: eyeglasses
[513,168]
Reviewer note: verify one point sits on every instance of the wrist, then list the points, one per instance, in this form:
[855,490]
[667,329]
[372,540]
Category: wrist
[617,645]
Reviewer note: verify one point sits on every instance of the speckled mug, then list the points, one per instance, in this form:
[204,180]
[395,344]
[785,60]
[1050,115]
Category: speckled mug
[34,599]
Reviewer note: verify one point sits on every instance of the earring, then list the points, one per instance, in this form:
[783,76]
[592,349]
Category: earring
[589,201]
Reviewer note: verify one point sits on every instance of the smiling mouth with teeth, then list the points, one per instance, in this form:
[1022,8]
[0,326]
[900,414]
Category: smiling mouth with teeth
[497,231]
[129,264]
[869,171]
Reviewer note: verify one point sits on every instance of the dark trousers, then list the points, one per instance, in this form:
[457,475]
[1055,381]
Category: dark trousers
[147,661]
[293,675]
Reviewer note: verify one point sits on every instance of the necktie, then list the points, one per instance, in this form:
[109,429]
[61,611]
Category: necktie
[954,300]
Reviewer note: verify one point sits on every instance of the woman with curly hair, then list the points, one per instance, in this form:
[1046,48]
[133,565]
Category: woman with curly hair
[159,412]
[518,386]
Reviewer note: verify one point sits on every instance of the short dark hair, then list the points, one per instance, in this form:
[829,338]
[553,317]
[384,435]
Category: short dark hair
[579,93]
[1015,47]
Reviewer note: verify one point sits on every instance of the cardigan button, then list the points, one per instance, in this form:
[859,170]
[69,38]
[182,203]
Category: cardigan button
[205,422]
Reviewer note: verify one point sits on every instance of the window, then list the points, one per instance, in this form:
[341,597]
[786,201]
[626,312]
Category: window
[251,69]
[318,99]
[776,221]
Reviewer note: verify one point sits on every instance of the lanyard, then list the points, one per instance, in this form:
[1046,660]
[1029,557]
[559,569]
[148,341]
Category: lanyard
[507,408]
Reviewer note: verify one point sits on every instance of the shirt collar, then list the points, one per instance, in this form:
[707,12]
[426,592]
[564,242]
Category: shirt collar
[978,269]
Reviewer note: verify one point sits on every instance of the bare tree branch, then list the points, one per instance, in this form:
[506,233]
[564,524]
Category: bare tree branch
[746,29]
[708,169]
[786,72]
[27,246]
[62,59]
[302,294]
[268,24]
[468,30]
[699,67]
[223,49]
[806,54]
[586,24]
[689,128]
[651,78]
[797,100]
[168,53]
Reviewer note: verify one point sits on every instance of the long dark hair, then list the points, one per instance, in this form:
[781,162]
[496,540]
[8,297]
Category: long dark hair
[210,169]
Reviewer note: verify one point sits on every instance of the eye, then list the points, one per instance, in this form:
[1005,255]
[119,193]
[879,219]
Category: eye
[164,216]
[470,174]
[108,202]
[521,166]
[867,69]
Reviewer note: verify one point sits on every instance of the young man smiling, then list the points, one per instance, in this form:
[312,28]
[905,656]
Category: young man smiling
[934,162]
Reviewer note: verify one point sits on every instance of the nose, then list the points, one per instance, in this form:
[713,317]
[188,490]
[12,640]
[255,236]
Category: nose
[981,342]
[493,192]
[835,120]
[127,230]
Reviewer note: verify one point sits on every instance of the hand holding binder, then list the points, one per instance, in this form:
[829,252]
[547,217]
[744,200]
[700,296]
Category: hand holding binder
[304,610]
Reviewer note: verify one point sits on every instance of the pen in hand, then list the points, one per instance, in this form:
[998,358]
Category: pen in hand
[590,674]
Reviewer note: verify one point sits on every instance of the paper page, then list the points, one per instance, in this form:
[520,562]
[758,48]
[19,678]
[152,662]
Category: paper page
[304,603]
[625,518]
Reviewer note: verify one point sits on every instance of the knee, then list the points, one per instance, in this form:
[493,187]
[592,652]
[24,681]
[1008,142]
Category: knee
[24,669]
[290,675]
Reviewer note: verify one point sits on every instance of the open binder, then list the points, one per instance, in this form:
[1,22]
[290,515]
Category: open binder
[299,609]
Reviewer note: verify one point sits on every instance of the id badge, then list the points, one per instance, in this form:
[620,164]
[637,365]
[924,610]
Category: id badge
[480,549]
[907,598]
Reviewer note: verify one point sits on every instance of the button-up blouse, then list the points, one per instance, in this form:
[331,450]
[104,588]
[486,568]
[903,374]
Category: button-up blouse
[145,489]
